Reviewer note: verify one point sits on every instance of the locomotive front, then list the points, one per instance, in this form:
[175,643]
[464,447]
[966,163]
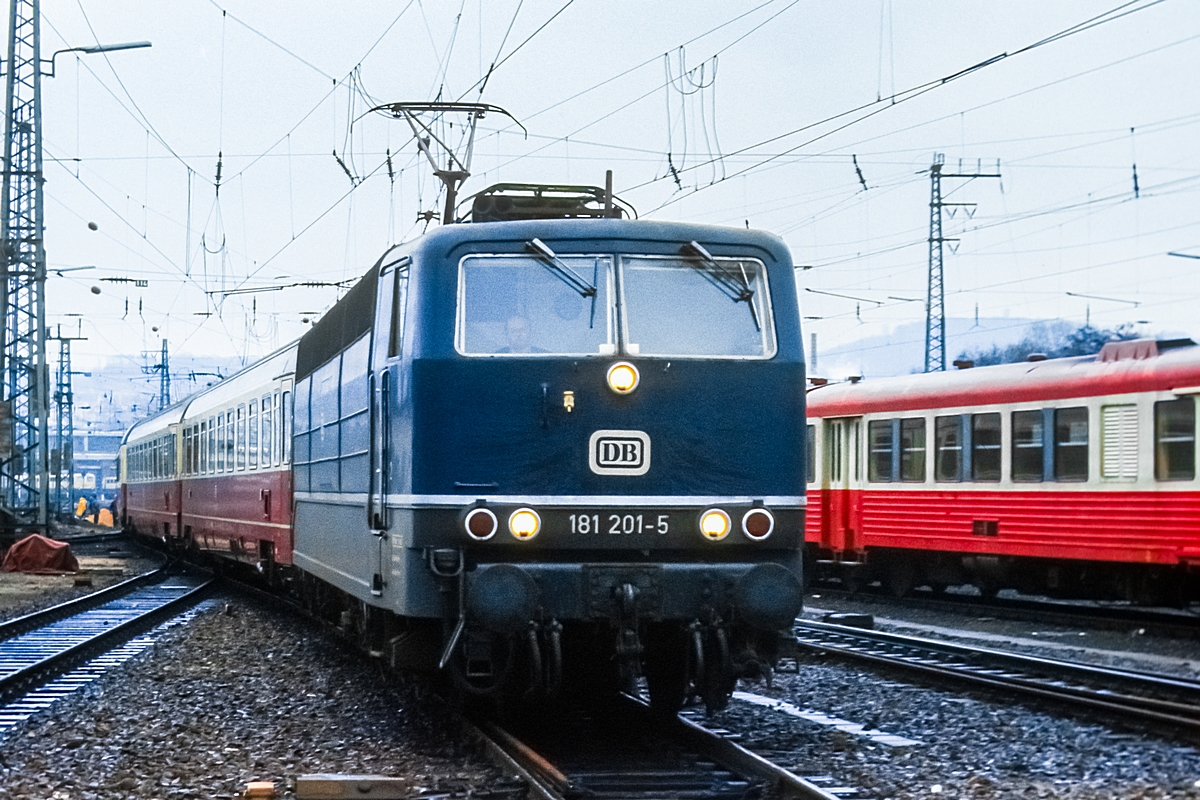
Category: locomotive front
[607,443]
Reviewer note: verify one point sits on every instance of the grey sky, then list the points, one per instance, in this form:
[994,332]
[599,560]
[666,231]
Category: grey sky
[1062,219]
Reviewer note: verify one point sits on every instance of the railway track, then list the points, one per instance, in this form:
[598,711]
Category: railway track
[1111,616]
[621,751]
[43,664]
[1153,697]
[45,616]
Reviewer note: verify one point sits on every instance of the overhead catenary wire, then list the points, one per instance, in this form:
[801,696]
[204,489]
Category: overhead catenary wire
[875,107]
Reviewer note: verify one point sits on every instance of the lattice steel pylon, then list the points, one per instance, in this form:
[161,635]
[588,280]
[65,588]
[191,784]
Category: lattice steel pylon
[24,471]
[935,297]
[935,292]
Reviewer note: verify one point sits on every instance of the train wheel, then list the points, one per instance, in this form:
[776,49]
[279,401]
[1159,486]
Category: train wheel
[667,669]
[853,580]
[901,577]
[719,678]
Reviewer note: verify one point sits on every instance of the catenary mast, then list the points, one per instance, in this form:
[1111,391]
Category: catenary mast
[24,466]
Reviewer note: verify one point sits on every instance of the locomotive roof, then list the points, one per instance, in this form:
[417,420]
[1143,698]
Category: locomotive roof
[1119,368]
[352,316]
[617,234]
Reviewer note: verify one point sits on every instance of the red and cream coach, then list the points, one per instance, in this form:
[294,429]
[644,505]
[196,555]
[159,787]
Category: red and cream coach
[214,471]
[1069,477]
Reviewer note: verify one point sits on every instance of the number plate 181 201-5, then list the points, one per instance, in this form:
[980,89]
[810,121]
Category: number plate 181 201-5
[619,523]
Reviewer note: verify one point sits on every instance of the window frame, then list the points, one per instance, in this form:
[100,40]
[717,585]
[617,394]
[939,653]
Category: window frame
[907,455]
[959,449]
[810,469]
[1162,465]
[1018,450]
[622,338]
[873,476]
[1059,446]
[976,447]
[252,432]
[239,442]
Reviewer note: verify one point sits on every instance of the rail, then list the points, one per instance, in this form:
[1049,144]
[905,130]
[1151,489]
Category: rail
[38,655]
[1169,699]
[37,619]
[707,764]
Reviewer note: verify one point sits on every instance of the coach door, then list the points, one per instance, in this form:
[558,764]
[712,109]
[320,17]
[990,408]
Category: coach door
[843,465]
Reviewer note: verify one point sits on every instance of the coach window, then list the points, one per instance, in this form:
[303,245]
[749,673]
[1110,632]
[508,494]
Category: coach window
[187,450]
[1028,446]
[276,428]
[230,430]
[268,429]
[286,447]
[1175,439]
[219,443]
[912,450]
[240,445]
[1070,444]
[882,451]
[947,433]
[812,453]
[252,435]
[985,447]
[201,447]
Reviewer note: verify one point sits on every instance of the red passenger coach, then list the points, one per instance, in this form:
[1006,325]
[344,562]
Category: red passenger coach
[213,473]
[1068,477]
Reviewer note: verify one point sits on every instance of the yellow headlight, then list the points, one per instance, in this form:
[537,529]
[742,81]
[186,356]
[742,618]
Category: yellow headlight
[622,377]
[524,523]
[714,524]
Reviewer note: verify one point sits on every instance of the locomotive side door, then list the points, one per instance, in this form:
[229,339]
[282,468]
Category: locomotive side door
[843,478]
[385,352]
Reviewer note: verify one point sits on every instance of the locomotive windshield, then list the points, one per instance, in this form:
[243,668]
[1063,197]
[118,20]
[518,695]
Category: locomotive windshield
[518,305]
[679,307]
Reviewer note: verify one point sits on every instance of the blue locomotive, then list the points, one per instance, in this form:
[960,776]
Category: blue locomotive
[549,448]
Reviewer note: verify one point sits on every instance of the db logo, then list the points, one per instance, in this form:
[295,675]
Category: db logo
[619,453]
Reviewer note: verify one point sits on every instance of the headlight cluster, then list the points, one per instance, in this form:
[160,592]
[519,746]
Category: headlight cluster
[481,524]
[757,524]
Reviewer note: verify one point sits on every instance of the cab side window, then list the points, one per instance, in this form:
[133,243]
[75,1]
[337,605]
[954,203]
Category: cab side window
[399,306]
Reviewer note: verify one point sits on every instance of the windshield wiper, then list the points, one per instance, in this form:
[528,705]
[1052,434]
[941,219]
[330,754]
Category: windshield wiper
[734,284]
[552,262]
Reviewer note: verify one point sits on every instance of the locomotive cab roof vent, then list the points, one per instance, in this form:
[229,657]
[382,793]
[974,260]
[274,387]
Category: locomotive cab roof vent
[506,202]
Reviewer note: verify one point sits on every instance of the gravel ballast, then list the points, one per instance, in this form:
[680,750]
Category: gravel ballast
[255,694]
[970,745]
[973,744]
